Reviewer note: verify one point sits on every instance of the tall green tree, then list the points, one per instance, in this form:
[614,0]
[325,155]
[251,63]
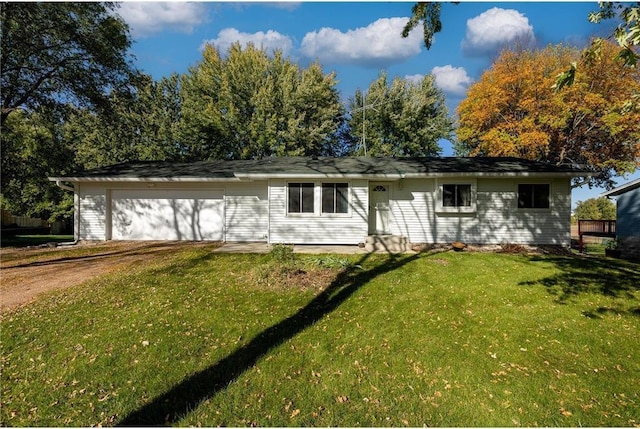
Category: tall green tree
[32,150]
[140,125]
[595,209]
[55,58]
[249,105]
[399,118]
[52,54]
[319,112]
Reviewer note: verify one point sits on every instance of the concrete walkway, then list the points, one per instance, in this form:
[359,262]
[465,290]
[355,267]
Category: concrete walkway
[298,248]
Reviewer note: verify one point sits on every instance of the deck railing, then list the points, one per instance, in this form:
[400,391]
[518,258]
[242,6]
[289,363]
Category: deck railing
[600,228]
[596,228]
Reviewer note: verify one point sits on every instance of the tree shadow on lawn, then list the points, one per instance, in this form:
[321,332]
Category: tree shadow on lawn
[184,397]
[582,276]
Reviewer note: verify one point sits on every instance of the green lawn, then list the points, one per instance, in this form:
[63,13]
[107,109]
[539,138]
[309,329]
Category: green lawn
[443,339]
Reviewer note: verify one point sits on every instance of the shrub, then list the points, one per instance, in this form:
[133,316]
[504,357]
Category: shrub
[283,253]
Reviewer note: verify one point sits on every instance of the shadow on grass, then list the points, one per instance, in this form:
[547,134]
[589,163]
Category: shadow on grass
[184,397]
[582,276]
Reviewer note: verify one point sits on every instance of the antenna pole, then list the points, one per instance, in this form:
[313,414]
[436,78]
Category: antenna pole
[364,135]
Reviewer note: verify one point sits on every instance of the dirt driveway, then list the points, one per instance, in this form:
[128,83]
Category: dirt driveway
[25,273]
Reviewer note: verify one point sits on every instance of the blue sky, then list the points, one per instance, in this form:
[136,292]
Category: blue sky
[359,40]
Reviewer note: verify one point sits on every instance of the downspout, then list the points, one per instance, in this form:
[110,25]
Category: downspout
[269,212]
[60,185]
[65,187]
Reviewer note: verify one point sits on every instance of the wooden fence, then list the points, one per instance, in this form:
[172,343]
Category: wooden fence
[22,221]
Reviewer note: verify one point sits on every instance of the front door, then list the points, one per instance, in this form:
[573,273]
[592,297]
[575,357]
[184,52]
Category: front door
[379,211]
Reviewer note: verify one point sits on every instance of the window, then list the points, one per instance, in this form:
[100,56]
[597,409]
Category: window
[300,198]
[335,197]
[456,195]
[533,196]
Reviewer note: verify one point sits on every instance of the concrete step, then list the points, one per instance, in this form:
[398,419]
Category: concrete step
[387,243]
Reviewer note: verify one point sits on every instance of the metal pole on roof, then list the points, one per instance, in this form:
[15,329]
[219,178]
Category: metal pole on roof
[364,115]
[364,135]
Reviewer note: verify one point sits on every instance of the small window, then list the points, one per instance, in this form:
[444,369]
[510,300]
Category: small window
[456,195]
[533,196]
[335,198]
[300,198]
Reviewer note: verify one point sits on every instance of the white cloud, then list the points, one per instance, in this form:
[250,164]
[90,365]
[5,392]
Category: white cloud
[380,43]
[452,80]
[492,30]
[270,41]
[146,18]
[414,78]
[286,5]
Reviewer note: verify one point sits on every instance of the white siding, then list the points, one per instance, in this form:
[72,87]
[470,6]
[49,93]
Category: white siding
[497,219]
[501,221]
[247,211]
[93,209]
[318,228]
[412,210]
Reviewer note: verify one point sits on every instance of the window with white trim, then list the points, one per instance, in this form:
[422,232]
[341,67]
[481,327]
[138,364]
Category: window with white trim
[300,198]
[335,198]
[455,195]
[533,195]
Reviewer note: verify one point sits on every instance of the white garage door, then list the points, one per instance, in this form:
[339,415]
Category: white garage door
[156,214]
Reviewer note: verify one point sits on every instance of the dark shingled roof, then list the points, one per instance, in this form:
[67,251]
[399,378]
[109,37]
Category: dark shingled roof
[306,166]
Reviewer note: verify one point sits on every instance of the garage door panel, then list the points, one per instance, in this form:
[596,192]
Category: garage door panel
[167,215]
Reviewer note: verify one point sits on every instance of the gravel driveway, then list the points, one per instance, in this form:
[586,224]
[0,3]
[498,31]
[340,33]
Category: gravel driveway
[25,273]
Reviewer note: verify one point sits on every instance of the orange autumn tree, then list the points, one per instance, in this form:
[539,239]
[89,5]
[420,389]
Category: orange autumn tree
[513,110]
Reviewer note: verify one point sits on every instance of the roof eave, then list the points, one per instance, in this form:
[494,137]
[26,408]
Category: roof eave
[398,176]
[622,189]
[146,179]
[240,177]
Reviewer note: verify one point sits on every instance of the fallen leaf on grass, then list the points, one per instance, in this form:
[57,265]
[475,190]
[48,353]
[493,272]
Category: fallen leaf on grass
[565,413]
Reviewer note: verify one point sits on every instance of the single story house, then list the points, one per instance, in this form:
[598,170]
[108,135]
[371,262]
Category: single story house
[325,200]
[627,218]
